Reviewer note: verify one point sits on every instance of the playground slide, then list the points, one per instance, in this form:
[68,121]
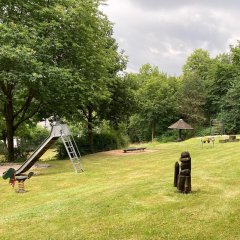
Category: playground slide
[56,132]
[36,155]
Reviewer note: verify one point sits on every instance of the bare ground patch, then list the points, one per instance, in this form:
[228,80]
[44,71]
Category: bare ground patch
[122,153]
[5,166]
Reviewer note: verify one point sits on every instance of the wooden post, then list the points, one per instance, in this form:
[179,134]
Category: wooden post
[187,184]
[181,183]
[176,173]
[184,175]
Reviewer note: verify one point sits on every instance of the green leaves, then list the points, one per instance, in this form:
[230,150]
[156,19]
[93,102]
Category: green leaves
[157,103]
[55,57]
[194,87]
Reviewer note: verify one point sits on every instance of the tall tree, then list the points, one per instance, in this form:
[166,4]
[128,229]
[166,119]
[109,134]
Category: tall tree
[221,75]
[230,108]
[20,78]
[122,104]
[225,89]
[53,55]
[156,99]
[99,71]
[194,86]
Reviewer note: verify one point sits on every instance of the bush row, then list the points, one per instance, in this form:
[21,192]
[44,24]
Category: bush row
[101,142]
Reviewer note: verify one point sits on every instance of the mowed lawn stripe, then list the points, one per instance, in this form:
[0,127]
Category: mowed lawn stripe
[129,197]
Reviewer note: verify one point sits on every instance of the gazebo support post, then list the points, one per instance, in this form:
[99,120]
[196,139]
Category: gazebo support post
[180,135]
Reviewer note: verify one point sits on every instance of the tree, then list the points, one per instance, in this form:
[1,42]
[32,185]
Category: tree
[230,108]
[99,72]
[221,75]
[226,88]
[121,104]
[53,55]
[156,99]
[20,78]
[194,87]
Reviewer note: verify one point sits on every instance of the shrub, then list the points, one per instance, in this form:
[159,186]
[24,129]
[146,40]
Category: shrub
[28,141]
[168,136]
[202,131]
[2,148]
[101,142]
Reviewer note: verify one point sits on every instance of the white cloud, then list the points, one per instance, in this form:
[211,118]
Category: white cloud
[172,51]
[165,33]
[153,50]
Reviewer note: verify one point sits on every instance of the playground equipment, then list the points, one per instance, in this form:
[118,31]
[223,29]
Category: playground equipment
[58,131]
[208,139]
[10,173]
[216,127]
[182,173]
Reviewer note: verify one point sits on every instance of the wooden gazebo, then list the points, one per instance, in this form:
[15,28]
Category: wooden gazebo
[180,125]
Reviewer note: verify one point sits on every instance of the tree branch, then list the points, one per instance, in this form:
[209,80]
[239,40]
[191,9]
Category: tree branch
[24,118]
[84,112]
[26,104]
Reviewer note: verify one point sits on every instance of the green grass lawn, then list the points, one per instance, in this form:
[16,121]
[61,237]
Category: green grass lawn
[129,197]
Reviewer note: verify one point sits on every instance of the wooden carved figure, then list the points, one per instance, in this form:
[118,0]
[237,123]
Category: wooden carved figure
[182,173]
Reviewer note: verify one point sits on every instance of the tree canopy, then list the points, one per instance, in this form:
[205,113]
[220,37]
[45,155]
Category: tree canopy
[60,57]
[56,57]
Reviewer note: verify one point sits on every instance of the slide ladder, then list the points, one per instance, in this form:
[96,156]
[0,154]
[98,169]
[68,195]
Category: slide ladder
[73,152]
[58,131]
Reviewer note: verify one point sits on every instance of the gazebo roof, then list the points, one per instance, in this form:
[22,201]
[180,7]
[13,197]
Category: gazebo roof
[180,124]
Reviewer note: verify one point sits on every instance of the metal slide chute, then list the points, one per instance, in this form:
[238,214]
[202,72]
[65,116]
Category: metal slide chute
[58,131]
[36,155]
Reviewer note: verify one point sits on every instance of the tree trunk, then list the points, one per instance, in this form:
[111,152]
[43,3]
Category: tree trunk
[4,138]
[9,116]
[90,127]
[153,130]
[10,142]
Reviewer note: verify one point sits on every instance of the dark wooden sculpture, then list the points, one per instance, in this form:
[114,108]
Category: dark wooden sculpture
[182,173]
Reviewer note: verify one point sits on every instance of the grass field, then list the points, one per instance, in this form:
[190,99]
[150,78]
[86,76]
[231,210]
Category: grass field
[129,197]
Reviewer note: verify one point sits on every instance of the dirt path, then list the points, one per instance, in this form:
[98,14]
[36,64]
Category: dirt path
[6,166]
[122,153]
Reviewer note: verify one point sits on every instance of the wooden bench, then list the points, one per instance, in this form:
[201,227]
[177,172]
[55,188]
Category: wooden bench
[134,149]
[232,138]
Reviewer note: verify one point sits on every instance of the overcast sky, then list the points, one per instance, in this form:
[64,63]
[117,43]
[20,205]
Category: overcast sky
[165,32]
